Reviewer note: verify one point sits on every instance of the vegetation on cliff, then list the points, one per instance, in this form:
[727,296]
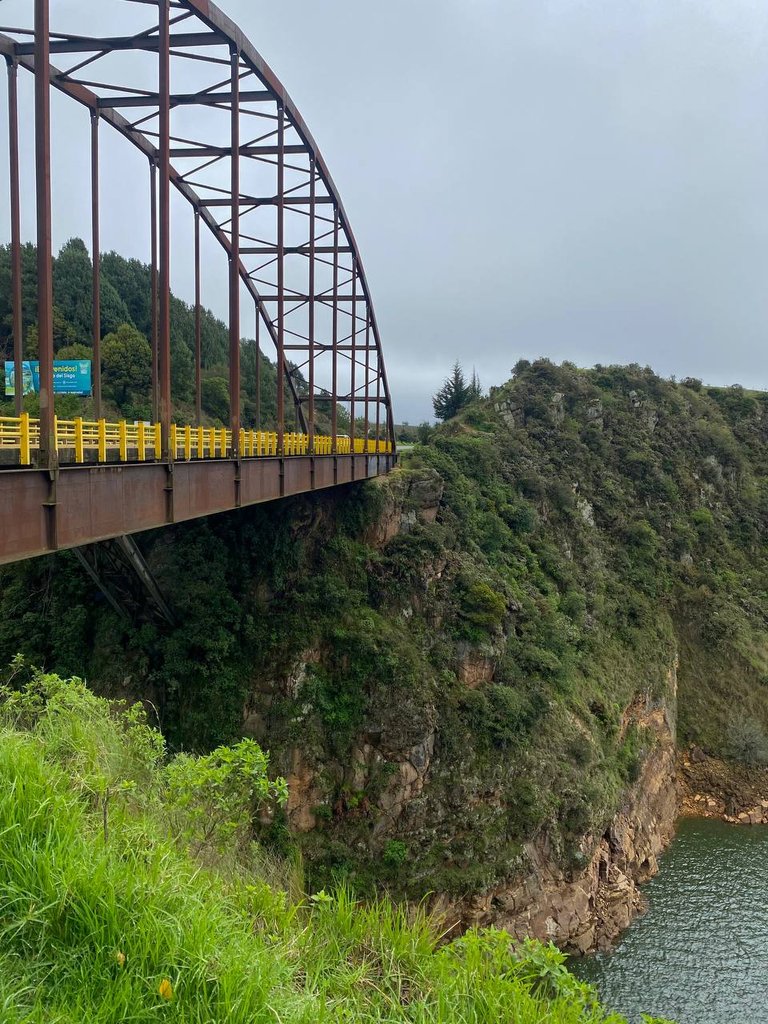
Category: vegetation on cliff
[121,900]
[446,662]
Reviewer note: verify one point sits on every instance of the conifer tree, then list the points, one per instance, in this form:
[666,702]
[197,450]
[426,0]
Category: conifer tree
[475,388]
[453,395]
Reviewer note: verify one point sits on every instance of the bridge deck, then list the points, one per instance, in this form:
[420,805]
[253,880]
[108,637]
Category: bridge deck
[42,512]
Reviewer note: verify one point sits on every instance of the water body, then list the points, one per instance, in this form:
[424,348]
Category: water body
[700,953]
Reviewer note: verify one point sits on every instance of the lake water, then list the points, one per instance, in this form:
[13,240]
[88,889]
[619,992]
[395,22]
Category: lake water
[700,953]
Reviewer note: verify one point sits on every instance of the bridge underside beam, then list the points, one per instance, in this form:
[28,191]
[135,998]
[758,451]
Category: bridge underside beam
[42,512]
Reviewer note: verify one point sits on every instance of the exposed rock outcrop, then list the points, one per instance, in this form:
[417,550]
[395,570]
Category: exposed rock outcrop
[411,497]
[587,910]
[712,788]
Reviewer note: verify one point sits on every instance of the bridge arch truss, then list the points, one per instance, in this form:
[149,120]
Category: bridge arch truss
[215,124]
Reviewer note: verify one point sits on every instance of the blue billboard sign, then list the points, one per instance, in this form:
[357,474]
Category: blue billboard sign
[70,377]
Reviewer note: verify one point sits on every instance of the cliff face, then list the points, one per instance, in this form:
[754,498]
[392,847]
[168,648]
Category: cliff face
[465,669]
[589,909]
[580,908]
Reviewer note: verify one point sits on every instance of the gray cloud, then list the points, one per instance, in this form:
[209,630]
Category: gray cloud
[583,179]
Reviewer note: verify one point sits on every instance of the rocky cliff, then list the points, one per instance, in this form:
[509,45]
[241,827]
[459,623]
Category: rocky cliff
[589,909]
[464,670]
[581,909]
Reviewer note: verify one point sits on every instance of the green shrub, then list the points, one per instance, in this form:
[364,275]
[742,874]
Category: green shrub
[746,740]
[482,606]
[134,928]
[395,853]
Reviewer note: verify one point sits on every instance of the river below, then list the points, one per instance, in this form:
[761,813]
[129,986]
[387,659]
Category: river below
[700,953]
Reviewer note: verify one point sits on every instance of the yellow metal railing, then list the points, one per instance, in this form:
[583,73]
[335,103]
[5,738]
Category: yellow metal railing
[141,442]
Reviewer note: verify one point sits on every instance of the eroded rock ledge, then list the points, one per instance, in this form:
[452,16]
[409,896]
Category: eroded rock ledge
[588,911]
[711,788]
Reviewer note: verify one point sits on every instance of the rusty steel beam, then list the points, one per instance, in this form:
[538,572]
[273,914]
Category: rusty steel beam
[109,44]
[311,311]
[152,99]
[378,407]
[353,359]
[164,168]
[367,373]
[329,348]
[278,200]
[258,369]
[44,246]
[296,250]
[16,292]
[198,328]
[153,292]
[234,262]
[335,335]
[130,498]
[96,258]
[248,150]
[280,278]
[304,297]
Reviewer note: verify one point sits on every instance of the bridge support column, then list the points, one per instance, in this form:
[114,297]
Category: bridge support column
[153,295]
[48,452]
[280,279]
[16,294]
[198,327]
[164,168]
[96,256]
[234,261]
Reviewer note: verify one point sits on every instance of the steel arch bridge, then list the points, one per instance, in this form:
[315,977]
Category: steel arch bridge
[186,88]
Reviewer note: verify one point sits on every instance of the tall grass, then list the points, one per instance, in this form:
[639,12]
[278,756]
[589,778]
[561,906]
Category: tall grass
[106,917]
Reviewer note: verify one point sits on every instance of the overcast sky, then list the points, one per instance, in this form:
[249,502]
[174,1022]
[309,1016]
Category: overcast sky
[582,179]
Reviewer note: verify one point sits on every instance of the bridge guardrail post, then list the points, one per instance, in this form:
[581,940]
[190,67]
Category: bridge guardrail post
[25,454]
[79,441]
[102,440]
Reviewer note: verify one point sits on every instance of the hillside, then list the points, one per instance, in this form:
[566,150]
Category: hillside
[463,670]
[132,890]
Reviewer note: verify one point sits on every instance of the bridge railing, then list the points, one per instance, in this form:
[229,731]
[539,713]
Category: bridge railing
[81,441]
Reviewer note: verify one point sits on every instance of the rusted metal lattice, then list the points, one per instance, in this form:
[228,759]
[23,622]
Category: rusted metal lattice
[236,148]
[186,88]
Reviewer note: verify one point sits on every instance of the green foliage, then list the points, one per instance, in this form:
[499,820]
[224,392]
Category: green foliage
[127,367]
[220,794]
[485,616]
[481,606]
[747,740]
[134,926]
[454,394]
[72,293]
[215,397]
[395,853]
[125,303]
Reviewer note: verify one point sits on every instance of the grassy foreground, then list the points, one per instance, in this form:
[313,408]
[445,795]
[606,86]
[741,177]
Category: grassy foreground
[131,890]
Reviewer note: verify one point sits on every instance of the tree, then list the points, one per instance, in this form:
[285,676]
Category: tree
[127,366]
[475,388]
[73,292]
[64,335]
[76,351]
[215,398]
[453,395]
[424,432]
